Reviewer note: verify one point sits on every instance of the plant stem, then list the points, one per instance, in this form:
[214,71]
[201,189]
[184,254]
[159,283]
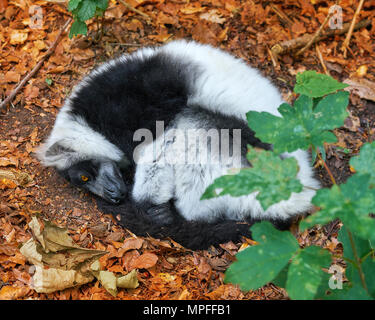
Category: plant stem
[325,166]
[357,260]
[352,243]
[368,254]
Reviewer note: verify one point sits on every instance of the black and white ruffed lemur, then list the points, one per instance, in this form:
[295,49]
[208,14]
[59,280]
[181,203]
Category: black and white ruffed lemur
[96,143]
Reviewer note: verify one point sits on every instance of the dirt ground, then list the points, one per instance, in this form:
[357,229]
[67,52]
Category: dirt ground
[26,123]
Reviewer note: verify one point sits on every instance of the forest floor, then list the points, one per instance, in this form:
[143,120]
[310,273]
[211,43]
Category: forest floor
[248,29]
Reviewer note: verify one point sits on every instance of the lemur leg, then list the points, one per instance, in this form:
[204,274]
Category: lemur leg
[191,182]
[153,189]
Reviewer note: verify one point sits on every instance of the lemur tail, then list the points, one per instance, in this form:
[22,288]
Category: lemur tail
[190,234]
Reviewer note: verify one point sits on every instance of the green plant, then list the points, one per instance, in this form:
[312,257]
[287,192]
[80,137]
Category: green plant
[83,10]
[278,258]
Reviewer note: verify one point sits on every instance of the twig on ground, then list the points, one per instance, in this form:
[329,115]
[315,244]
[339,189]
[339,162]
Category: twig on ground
[134,9]
[325,166]
[321,60]
[273,59]
[289,45]
[282,16]
[317,33]
[345,44]
[125,44]
[51,49]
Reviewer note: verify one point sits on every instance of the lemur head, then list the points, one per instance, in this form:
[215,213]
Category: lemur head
[102,178]
[84,157]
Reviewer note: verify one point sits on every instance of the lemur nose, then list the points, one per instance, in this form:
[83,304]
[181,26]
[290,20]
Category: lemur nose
[114,196]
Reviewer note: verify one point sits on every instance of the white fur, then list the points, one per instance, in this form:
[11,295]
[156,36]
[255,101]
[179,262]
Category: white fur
[73,132]
[158,181]
[226,83]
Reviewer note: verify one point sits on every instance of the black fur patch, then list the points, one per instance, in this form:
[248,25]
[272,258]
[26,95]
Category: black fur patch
[133,94]
[219,121]
[191,234]
[195,235]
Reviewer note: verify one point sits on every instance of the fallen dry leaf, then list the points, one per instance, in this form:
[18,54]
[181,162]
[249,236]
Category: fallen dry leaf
[9,161]
[12,293]
[110,282]
[10,178]
[130,244]
[213,16]
[364,88]
[12,76]
[18,37]
[51,280]
[190,9]
[7,184]
[145,261]
[67,263]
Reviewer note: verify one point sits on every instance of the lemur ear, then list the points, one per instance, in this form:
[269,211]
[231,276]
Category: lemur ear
[57,155]
[57,149]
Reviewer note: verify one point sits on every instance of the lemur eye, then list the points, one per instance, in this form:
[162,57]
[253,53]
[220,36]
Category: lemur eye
[84,178]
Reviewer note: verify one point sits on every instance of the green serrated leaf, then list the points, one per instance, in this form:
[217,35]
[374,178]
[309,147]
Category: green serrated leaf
[349,292]
[314,154]
[313,84]
[365,162]
[305,272]
[280,279]
[323,287]
[78,27]
[73,4]
[99,12]
[368,267]
[362,245]
[351,202]
[86,10]
[301,126]
[323,152]
[102,4]
[331,111]
[260,264]
[365,254]
[329,200]
[274,179]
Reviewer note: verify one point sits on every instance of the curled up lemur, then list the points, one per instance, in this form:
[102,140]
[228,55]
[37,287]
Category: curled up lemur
[106,139]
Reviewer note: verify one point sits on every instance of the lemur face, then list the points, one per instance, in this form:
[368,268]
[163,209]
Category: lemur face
[100,177]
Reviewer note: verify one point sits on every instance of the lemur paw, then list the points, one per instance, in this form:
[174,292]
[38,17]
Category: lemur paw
[161,214]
